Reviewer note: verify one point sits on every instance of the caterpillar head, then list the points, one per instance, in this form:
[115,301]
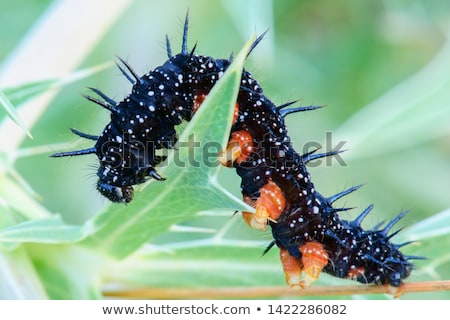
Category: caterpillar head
[122,194]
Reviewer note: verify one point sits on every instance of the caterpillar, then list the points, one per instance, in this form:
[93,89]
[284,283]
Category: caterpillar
[307,229]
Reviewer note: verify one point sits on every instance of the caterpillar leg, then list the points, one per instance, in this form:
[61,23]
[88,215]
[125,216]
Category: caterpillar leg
[239,147]
[314,259]
[268,206]
[355,273]
[396,292]
[292,268]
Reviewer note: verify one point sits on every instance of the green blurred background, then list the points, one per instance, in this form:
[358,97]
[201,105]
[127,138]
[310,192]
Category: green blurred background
[355,57]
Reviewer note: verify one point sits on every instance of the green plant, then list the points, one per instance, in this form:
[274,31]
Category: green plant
[200,243]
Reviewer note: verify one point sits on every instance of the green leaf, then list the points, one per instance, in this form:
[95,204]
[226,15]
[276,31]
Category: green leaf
[23,93]
[68,271]
[9,107]
[209,265]
[191,185]
[12,98]
[16,196]
[47,230]
[20,94]
[432,227]
[19,278]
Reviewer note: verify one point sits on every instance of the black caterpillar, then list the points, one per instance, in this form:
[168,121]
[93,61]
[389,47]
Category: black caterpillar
[305,225]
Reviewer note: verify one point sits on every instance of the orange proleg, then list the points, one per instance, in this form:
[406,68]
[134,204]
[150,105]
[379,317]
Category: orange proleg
[239,147]
[314,259]
[269,206]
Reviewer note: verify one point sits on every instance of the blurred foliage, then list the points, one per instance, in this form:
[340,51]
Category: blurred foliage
[343,54]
